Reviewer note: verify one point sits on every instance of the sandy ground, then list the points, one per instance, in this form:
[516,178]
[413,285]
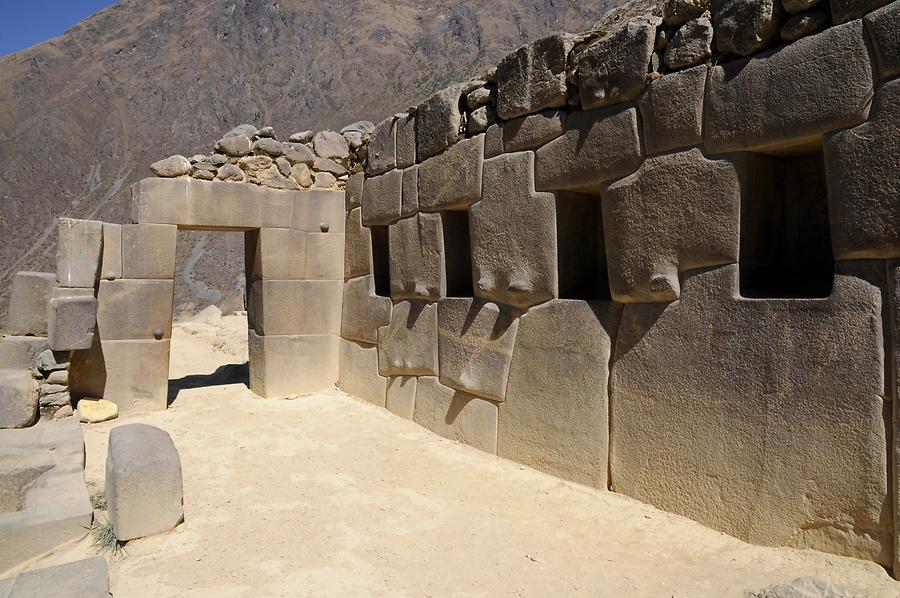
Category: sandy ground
[328,496]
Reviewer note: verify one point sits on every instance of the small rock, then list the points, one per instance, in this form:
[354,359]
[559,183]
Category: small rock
[205,165]
[663,37]
[230,172]
[326,165]
[266,132]
[360,126]
[273,179]
[297,152]
[196,158]
[247,131]
[171,167]
[330,144]
[795,6]
[58,377]
[303,137]
[49,389]
[238,145]
[301,173]
[802,587]
[56,399]
[325,180]
[691,44]
[267,145]
[92,411]
[284,167]
[480,119]
[51,361]
[254,163]
[64,411]
[804,23]
[218,159]
[203,175]
[354,139]
[478,97]
[679,12]
[472,85]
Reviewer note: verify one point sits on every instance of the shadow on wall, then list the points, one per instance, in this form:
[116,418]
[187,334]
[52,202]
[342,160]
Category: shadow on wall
[230,373]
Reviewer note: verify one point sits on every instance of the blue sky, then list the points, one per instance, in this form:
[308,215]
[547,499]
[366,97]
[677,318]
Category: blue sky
[25,23]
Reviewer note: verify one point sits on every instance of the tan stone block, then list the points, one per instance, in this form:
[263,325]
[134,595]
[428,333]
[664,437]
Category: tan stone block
[19,352]
[534,77]
[354,190]
[382,198]
[161,201]
[291,307]
[359,372]
[357,246]
[276,208]
[148,250]
[401,396]
[416,246]
[556,414]
[409,344]
[438,121]
[319,211]
[383,147]
[406,140]
[78,252]
[135,309]
[111,262]
[452,180]
[324,256]
[222,205]
[409,200]
[28,297]
[456,415]
[514,235]
[275,254]
[292,365]
[475,346]
[362,311]
[652,229]
[71,321]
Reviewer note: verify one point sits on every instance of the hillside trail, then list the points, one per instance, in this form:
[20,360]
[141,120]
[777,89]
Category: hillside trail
[326,495]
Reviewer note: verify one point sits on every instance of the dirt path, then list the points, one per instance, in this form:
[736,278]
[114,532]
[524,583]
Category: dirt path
[328,496]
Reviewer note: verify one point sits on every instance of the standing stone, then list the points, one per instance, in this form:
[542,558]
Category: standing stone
[691,45]
[111,266]
[406,140]
[28,303]
[78,252]
[383,147]
[439,120]
[362,311]
[18,399]
[354,190]
[744,27]
[330,144]
[533,77]
[416,246]
[171,167]
[409,201]
[357,246]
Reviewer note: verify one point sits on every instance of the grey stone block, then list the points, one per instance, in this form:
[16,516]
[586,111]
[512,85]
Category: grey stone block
[672,110]
[359,372]
[78,252]
[598,146]
[71,322]
[864,182]
[456,415]
[362,311]
[87,578]
[409,202]
[514,235]
[401,396]
[691,44]
[275,254]
[287,365]
[135,309]
[161,201]
[416,246]
[718,402]
[475,345]
[533,77]
[318,211]
[143,481]
[893,320]
[294,306]
[28,303]
[357,246]
[52,361]
[382,198]
[532,131]
[452,180]
[20,352]
[614,68]
[847,10]
[884,30]
[408,345]
[354,190]
[406,140]
[745,28]
[148,250]
[111,260]
[324,256]
[792,96]
[383,147]
[493,141]
[18,399]
[438,122]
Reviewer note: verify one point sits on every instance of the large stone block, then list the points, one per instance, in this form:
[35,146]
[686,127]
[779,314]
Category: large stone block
[493,140]
[416,246]
[161,201]
[71,322]
[275,254]
[678,212]
[514,235]
[475,346]
[362,311]
[452,180]
[598,146]
[406,140]
[359,372]
[111,261]
[672,110]
[456,415]
[135,309]
[148,250]
[382,198]
[556,414]
[283,366]
[194,204]
[87,578]
[143,481]
[354,190]
[28,303]
[133,374]
[532,131]
[864,182]
[847,10]
[324,256]
[893,319]
[78,252]
[318,211]
[294,307]
[614,69]
[884,30]
[357,246]
[409,201]
[745,28]
[383,147]
[791,96]
[409,344]
[18,399]
[439,122]
[533,77]
[760,418]
[401,396]
[19,352]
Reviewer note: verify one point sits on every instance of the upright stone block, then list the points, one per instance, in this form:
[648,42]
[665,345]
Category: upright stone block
[456,415]
[791,96]
[111,262]
[884,30]
[362,311]
[28,303]
[148,250]
[439,122]
[529,132]
[275,254]
[408,345]
[286,365]
[357,246]
[598,146]
[383,147]
[78,252]
[847,10]
[19,352]
[294,307]
[893,319]
[359,372]
[135,309]
[556,414]
[652,227]
[18,399]
[409,202]
[406,140]
[452,180]
[533,77]
[318,211]
[143,481]
[401,396]
[324,256]
[354,190]
[514,235]
[416,246]
[475,345]
[864,182]
[381,202]
[71,322]
[672,110]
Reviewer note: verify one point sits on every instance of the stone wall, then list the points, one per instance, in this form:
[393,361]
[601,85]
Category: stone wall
[659,259]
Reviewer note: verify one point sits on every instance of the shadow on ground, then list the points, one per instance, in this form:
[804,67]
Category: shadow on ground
[231,373]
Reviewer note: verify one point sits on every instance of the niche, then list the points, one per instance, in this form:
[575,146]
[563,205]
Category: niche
[581,250]
[457,253]
[785,231]
[381,261]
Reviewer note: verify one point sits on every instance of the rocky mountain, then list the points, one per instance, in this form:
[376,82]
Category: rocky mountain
[83,115]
